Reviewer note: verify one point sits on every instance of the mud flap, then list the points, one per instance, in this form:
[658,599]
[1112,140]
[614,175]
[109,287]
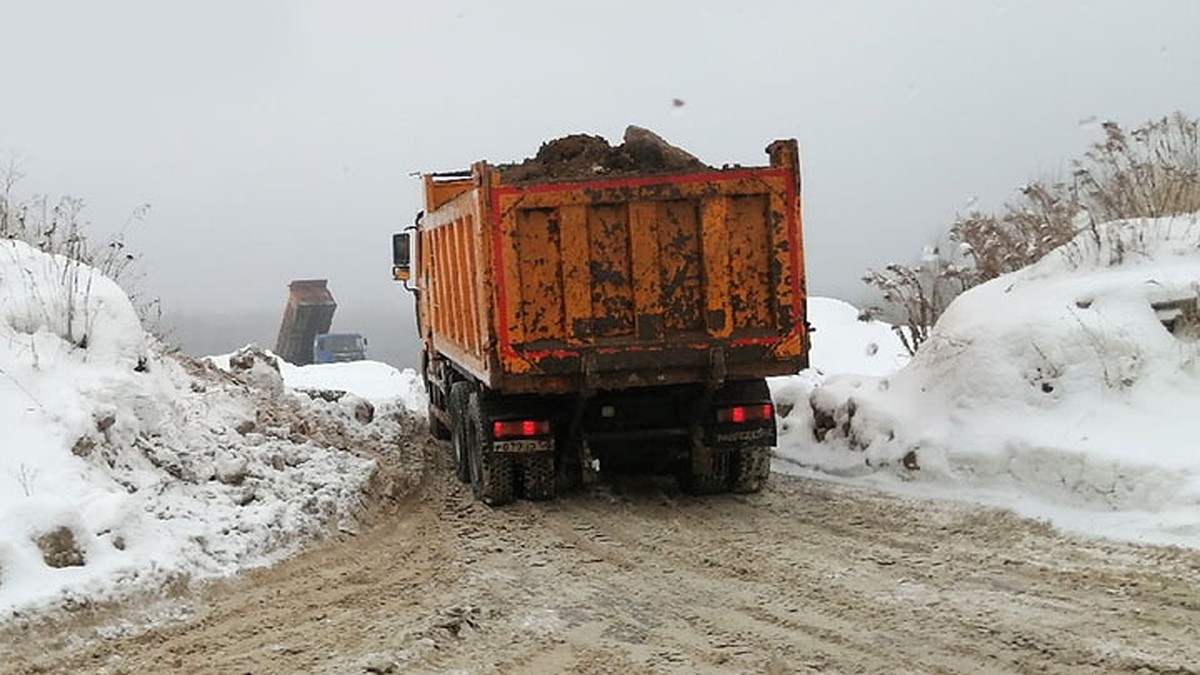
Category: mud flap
[437,429]
[460,394]
[705,471]
[574,465]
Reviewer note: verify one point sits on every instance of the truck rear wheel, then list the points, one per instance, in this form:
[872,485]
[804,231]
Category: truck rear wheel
[538,477]
[460,394]
[491,472]
[751,468]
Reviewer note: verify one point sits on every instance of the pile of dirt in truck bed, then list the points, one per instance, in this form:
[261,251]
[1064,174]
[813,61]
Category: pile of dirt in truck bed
[586,157]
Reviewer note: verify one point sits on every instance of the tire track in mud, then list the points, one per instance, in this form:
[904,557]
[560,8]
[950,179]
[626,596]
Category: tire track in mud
[635,577]
[742,621]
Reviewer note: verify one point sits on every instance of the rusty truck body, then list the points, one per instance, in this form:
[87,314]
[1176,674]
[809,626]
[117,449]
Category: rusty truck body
[307,313]
[626,322]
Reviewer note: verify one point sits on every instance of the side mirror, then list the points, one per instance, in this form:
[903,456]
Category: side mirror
[401,257]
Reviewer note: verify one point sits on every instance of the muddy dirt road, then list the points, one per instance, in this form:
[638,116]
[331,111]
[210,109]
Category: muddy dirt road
[805,577]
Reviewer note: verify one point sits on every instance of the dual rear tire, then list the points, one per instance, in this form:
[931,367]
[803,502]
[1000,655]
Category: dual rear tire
[496,478]
[741,470]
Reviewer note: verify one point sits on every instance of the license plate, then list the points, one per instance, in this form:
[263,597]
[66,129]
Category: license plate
[522,445]
[744,436]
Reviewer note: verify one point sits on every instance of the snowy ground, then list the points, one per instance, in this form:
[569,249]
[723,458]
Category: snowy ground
[1057,391]
[124,468]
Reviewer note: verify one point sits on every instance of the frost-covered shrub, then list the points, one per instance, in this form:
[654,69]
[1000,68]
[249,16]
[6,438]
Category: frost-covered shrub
[56,228]
[1148,172]
[58,298]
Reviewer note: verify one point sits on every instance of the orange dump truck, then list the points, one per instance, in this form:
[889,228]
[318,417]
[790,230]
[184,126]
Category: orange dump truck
[618,322]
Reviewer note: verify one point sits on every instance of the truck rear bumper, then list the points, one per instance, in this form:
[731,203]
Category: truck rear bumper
[635,435]
[619,369]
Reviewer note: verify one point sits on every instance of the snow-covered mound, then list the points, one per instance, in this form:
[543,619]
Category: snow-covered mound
[844,343]
[123,468]
[841,343]
[1066,390]
[371,380]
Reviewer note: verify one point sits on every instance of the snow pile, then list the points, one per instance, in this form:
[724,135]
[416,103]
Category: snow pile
[1065,390]
[123,468]
[372,380]
[841,343]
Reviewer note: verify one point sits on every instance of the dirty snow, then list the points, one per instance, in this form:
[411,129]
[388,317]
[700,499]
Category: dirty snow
[371,380]
[123,468]
[1056,391]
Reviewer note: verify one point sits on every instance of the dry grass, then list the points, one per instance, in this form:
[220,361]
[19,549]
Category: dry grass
[56,227]
[1149,172]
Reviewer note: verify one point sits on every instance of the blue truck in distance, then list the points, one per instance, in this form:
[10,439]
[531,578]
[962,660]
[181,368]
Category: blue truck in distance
[339,347]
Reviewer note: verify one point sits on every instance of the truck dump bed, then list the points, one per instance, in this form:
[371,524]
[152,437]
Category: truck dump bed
[621,282]
[308,312]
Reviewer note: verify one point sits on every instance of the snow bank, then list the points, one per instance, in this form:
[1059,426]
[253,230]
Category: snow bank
[843,343]
[371,380]
[375,381]
[122,468]
[1065,390]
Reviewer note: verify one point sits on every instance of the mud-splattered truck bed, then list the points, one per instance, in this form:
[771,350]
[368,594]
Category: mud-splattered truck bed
[674,283]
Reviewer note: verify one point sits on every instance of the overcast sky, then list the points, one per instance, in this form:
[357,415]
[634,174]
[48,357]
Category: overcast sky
[275,139]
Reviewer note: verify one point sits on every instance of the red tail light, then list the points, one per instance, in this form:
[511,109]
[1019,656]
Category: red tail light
[520,428]
[745,413]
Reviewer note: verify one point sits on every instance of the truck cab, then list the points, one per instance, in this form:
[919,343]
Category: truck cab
[339,347]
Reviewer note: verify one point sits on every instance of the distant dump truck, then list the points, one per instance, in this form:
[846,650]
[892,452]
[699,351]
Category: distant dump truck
[608,307]
[308,313]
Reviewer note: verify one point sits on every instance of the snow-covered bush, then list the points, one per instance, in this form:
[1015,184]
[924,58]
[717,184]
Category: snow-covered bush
[1151,171]
[1074,381]
[913,296]
[56,228]
[49,296]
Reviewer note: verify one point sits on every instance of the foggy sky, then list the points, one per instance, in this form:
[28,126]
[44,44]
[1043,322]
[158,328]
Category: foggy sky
[275,139]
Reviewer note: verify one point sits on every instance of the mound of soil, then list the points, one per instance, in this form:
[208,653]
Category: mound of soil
[586,157]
